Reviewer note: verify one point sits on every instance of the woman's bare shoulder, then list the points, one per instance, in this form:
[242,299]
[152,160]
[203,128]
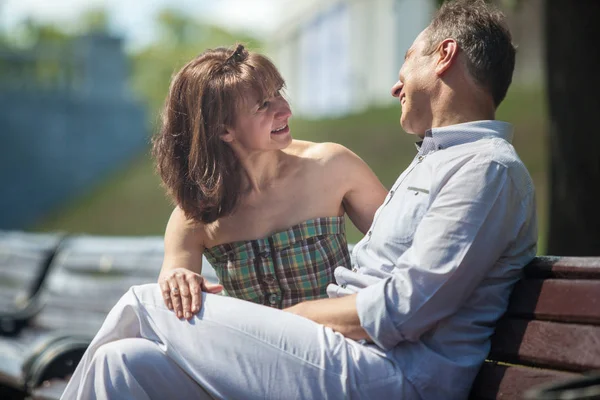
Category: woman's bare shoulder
[325,151]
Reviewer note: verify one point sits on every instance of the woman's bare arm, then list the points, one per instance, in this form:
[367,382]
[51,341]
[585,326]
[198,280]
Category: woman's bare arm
[180,279]
[364,192]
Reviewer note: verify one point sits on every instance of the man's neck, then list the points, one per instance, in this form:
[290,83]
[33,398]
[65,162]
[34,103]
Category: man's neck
[461,113]
[463,104]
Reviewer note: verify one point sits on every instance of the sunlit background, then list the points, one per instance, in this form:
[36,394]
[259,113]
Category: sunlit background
[82,83]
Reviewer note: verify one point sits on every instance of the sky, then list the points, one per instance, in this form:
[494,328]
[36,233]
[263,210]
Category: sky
[133,18]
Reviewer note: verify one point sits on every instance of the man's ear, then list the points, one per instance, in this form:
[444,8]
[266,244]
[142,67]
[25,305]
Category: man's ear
[447,53]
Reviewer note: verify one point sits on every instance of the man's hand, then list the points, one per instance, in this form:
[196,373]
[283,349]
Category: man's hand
[338,314]
[181,291]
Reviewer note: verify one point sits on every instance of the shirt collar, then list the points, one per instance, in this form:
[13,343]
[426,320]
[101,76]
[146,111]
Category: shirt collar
[452,135]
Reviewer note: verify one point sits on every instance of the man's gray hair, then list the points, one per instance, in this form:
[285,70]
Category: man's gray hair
[482,34]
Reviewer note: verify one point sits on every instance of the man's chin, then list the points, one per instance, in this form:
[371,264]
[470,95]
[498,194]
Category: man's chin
[410,130]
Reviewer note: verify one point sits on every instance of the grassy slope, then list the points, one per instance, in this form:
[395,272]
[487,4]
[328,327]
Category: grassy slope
[132,202]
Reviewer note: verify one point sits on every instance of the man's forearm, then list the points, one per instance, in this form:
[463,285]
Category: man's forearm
[339,314]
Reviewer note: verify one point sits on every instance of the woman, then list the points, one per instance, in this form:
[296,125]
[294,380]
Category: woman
[266,210]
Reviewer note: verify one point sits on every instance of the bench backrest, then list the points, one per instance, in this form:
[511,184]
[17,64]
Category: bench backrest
[24,260]
[90,273]
[550,332]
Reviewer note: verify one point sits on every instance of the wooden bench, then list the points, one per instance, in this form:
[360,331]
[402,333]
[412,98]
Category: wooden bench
[550,333]
[24,261]
[86,277]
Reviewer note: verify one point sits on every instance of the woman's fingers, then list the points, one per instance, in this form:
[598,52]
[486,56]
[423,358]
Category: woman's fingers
[213,288]
[195,284]
[166,292]
[185,295]
[182,292]
[176,296]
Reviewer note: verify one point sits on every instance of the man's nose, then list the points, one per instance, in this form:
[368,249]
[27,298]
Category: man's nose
[396,89]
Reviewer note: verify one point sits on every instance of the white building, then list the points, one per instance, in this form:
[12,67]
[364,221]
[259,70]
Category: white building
[342,56]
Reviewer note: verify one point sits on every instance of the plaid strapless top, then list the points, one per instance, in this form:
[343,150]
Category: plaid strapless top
[286,267]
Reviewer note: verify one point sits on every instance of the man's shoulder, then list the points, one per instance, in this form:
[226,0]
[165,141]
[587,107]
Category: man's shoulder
[485,150]
[497,151]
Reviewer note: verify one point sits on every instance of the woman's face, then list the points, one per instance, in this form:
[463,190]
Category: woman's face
[261,124]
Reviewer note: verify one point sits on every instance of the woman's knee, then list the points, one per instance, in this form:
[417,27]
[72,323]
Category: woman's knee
[131,354]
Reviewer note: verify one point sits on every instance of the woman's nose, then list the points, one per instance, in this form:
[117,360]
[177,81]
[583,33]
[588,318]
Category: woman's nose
[283,109]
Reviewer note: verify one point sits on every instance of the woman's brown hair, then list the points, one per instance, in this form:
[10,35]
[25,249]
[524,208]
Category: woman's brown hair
[199,170]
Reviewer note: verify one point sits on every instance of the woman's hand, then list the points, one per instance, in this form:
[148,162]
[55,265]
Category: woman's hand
[181,289]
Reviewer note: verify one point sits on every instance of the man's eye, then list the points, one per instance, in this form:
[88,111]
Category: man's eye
[264,105]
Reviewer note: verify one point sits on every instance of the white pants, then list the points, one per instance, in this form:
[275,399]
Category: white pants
[232,349]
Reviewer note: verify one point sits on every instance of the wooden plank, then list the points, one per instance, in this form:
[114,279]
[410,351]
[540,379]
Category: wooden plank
[560,300]
[564,268]
[510,382]
[568,347]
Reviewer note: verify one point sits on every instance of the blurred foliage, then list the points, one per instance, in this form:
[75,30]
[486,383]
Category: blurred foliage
[180,38]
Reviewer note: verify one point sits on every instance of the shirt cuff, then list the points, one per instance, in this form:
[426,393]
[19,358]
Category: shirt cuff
[375,318]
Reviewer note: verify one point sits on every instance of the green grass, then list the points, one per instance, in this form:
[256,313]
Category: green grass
[133,203]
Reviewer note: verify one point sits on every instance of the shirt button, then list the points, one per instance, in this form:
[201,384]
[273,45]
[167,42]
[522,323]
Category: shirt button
[421,158]
[269,280]
[369,233]
[264,254]
[272,299]
[391,193]
[354,269]
[343,286]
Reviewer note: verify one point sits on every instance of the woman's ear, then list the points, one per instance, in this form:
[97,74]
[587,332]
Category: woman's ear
[228,135]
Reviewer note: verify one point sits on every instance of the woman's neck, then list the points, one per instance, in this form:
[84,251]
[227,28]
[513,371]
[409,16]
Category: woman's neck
[261,170]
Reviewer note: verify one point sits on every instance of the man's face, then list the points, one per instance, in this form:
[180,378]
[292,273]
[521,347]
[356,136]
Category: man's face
[414,88]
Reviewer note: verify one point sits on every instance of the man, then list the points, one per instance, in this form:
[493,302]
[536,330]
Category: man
[413,318]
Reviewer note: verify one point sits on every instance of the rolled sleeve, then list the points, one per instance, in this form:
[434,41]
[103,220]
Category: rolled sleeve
[375,317]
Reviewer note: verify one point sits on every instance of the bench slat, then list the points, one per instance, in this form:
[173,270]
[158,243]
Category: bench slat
[564,268]
[560,300]
[510,382]
[568,347]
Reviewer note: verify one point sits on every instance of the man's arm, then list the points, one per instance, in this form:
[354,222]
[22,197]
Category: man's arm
[473,220]
[339,314]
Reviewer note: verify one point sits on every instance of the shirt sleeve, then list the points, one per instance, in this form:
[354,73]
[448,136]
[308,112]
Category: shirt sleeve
[464,232]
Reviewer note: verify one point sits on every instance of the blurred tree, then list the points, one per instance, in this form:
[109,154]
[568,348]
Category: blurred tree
[32,33]
[94,20]
[180,38]
[572,35]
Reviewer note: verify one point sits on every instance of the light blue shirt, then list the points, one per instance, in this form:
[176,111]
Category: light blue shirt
[435,271]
